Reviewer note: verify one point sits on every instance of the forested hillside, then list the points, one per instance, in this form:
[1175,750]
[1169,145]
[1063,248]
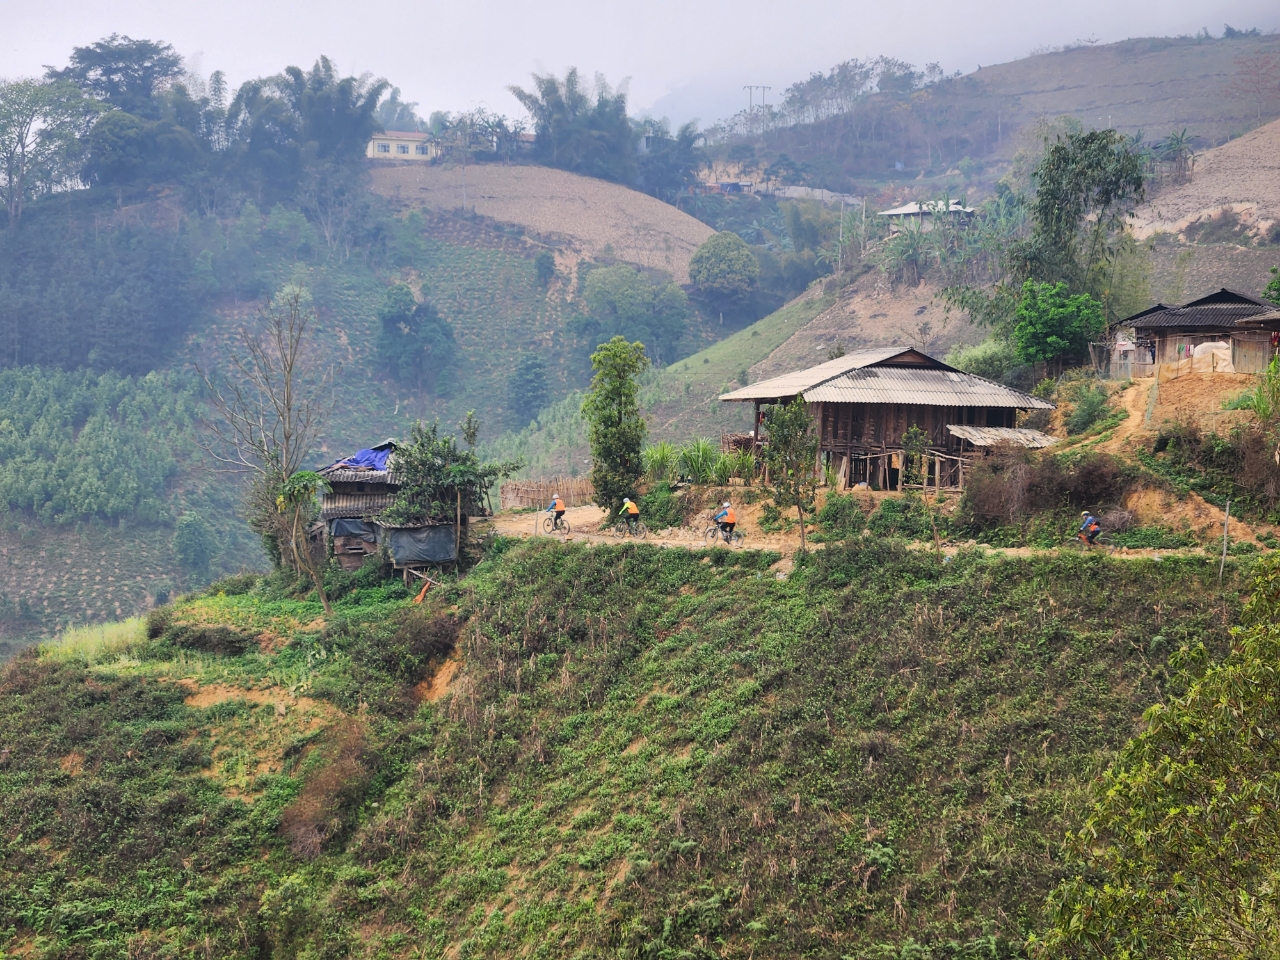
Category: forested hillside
[582,750]
[865,124]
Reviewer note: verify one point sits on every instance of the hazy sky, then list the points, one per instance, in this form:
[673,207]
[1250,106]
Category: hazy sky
[684,59]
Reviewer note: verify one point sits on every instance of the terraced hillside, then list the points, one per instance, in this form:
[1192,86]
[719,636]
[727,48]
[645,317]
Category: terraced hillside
[584,216]
[585,751]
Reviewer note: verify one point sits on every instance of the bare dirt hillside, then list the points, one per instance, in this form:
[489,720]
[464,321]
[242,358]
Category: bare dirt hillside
[1241,177]
[1184,271]
[869,313]
[587,215]
[1153,84]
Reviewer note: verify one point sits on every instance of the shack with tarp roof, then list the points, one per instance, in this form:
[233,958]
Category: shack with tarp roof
[362,488]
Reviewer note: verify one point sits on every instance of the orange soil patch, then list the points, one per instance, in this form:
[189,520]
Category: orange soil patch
[1198,398]
[437,685]
[271,642]
[1157,508]
[72,763]
[215,693]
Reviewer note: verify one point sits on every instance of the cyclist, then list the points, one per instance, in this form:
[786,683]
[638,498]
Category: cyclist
[726,519]
[1089,527]
[630,512]
[557,505]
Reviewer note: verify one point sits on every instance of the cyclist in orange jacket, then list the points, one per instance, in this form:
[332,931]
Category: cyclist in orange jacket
[557,505]
[630,512]
[726,518]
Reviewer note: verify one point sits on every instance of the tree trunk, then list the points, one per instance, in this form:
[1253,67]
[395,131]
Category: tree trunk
[308,564]
[800,514]
[457,531]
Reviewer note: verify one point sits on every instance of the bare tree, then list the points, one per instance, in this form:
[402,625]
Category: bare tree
[1257,78]
[270,407]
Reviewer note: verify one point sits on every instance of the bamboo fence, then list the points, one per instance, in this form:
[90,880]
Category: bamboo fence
[574,491]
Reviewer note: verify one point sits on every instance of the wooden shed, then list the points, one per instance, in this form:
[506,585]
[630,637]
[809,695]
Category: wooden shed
[865,401]
[362,488]
[1224,332]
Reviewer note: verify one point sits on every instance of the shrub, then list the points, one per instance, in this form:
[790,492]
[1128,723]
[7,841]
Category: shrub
[219,640]
[841,516]
[1012,482]
[662,508]
[906,517]
[96,644]
[993,359]
[660,461]
[1091,405]
[698,460]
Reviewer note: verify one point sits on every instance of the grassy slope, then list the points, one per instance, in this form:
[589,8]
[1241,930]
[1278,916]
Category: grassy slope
[646,752]
[679,401]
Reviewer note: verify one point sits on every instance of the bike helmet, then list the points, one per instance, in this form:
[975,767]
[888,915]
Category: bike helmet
[726,503]
[1084,513]
[626,499]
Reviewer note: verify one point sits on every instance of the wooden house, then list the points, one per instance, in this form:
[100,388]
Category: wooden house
[1224,332]
[361,488]
[864,403]
[925,214]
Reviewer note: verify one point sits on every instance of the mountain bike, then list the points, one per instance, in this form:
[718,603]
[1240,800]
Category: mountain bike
[622,529]
[1080,544]
[555,525]
[714,533]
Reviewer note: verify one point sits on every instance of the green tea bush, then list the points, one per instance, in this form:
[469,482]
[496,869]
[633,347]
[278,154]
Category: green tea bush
[841,516]
[661,507]
[905,517]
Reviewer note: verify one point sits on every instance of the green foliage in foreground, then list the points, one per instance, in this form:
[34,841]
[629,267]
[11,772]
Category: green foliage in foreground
[646,753]
[1180,855]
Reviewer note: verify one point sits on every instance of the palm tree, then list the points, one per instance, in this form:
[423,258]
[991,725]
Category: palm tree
[1176,149]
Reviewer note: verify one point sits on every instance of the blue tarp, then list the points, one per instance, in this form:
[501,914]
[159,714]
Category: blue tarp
[373,459]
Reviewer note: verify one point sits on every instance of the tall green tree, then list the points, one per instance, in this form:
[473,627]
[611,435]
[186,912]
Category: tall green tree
[580,128]
[1086,185]
[615,429]
[1054,325]
[791,455]
[724,268]
[527,391]
[40,126]
[123,73]
[623,301]
[415,343]
[1179,858]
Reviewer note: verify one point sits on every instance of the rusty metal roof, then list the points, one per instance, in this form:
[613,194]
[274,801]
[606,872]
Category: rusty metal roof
[793,384]
[990,436]
[354,505]
[1223,309]
[923,388]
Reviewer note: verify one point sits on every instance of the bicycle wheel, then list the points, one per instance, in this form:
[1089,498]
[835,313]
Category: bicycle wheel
[641,530]
[1075,543]
[1105,543]
[737,538]
[711,536]
[549,526]
[564,527]
[620,528]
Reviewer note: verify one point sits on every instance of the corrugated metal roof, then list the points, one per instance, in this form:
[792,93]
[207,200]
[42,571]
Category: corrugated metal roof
[336,474]
[354,505]
[1221,315]
[793,384]
[989,436]
[926,388]
[913,209]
